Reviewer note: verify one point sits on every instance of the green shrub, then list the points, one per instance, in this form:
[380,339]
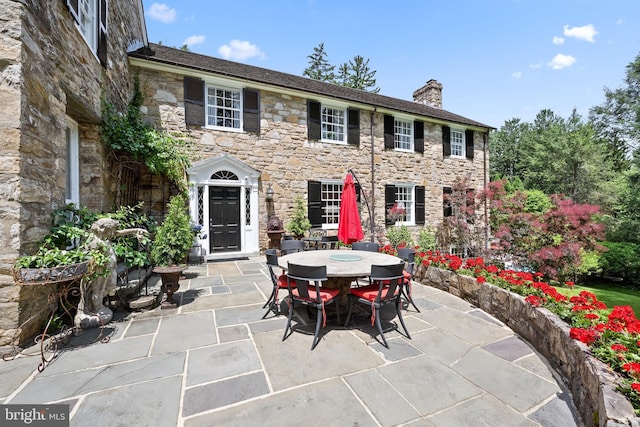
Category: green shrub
[622,259]
[399,236]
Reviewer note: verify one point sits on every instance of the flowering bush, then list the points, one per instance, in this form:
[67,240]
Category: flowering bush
[614,338]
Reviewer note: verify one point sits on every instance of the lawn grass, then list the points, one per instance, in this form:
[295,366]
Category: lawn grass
[610,294]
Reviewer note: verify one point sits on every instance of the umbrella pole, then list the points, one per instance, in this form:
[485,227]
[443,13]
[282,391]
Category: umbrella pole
[364,194]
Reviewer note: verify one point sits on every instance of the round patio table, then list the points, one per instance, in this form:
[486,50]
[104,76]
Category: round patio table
[343,266]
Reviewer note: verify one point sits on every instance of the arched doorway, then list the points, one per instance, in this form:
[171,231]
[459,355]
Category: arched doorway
[224,201]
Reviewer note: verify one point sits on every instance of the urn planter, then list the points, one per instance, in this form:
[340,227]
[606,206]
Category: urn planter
[170,277]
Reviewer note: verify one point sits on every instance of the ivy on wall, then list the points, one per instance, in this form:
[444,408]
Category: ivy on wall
[163,153]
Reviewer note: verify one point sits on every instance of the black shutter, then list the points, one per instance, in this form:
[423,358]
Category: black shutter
[101,26]
[471,205]
[447,209]
[314,123]
[420,205]
[468,140]
[193,101]
[389,201]
[446,141]
[357,186]
[72,5]
[418,136]
[314,204]
[353,136]
[251,110]
[389,131]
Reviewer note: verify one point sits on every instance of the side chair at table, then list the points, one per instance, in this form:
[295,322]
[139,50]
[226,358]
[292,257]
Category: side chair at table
[278,282]
[385,288]
[291,246]
[309,292]
[409,257]
[365,246]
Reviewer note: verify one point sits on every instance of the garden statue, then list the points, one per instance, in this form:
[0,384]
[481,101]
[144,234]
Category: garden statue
[91,310]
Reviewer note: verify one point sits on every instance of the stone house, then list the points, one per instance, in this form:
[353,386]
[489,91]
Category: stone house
[58,61]
[251,130]
[254,129]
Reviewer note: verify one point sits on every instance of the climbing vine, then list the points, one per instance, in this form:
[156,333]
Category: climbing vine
[163,153]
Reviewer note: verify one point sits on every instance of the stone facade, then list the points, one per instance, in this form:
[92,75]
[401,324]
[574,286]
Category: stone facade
[287,159]
[48,73]
[592,384]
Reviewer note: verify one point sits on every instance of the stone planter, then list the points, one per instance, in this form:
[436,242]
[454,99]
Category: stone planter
[592,383]
[170,277]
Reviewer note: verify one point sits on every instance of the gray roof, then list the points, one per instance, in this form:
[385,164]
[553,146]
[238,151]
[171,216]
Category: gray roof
[171,56]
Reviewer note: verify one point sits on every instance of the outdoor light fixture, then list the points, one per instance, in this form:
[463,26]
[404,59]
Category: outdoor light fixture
[269,193]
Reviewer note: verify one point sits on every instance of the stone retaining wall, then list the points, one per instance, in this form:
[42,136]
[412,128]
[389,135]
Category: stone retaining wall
[592,383]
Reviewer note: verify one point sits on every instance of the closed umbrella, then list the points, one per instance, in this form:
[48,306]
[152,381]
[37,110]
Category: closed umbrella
[349,226]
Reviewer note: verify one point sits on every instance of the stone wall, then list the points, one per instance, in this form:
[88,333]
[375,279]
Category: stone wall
[48,72]
[288,160]
[592,383]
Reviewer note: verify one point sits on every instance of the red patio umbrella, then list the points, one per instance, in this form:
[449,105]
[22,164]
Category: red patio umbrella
[349,226]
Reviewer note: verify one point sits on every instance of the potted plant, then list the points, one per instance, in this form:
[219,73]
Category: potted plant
[299,223]
[170,247]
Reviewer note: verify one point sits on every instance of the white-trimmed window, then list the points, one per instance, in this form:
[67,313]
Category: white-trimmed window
[403,134]
[87,16]
[330,196]
[457,143]
[333,122]
[72,181]
[404,204]
[224,107]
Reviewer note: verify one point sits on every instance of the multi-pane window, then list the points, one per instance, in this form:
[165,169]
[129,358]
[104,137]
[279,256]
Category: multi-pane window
[331,193]
[224,107]
[404,205]
[402,134]
[333,124]
[87,15]
[72,181]
[457,143]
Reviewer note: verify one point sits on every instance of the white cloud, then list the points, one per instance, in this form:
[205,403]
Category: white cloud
[536,66]
[516,75]
[193,40]
[161,12]
[561,61]
[586,32]
[558,40]
[239,50]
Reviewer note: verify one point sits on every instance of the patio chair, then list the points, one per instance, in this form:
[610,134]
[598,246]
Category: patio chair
[365,246]
[309,292]
[278,282]
[329,242]
[291,246]
[385,288]
[409,257]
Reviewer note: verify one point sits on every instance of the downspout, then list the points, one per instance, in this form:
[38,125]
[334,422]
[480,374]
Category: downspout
[373,168]
[484,178]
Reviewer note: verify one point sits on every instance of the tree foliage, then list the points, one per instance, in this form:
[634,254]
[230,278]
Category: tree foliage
[355,73]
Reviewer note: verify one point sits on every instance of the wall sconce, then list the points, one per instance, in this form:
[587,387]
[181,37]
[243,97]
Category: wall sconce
[269,193]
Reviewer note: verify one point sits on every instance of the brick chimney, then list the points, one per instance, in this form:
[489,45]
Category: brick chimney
[429,94]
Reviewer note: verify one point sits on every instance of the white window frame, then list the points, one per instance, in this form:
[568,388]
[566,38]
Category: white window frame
[334,131]
[330,197]
[88,15]
[239,108]
[405,197]
[458,143]
[72,167]
[403,134]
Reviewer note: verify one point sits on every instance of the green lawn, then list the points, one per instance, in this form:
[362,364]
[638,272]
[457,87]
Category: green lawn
[609,294]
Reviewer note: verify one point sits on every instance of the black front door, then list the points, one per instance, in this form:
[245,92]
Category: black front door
[224,219]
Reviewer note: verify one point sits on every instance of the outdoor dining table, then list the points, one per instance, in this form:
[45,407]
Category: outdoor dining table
[343,266]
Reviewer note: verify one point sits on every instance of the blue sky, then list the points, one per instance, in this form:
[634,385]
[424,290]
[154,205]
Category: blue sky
[496,59]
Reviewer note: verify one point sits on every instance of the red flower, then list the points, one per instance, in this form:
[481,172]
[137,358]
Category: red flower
[635,387]
[618,347]
[586,336]
[591,316]
[481,279]
[570,284]
[534,300]
[633,368]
